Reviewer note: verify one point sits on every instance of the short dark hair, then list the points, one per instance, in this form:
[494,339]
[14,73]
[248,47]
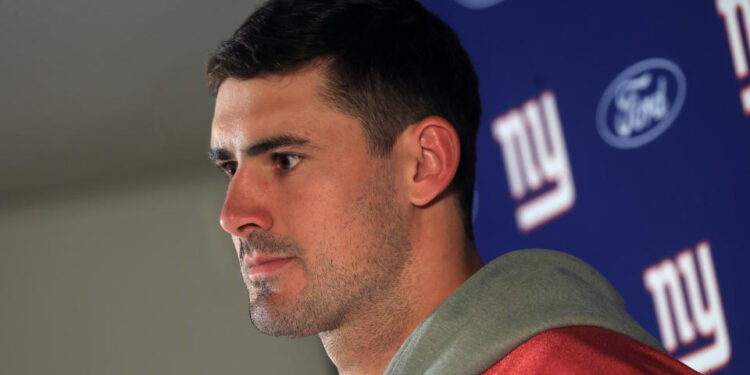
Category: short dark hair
[389,63]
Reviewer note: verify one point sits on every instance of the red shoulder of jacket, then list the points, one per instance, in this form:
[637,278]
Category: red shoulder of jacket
[586,350]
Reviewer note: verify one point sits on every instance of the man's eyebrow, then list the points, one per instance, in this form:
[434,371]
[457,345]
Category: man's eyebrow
[218,154]
[262,146]
[267,144]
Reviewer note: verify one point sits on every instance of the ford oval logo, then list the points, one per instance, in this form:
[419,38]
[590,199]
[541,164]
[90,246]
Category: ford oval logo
[478,4]
[641,103]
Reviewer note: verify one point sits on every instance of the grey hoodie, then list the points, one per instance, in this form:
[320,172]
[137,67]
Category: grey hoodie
[511,299]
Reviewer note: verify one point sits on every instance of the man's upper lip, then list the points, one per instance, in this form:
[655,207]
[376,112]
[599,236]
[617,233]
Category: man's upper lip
[251,261]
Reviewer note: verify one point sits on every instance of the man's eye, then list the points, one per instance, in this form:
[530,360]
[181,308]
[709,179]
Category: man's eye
[286,162]
[229,168]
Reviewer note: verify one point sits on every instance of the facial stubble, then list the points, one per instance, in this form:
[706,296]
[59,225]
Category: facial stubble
[333,294]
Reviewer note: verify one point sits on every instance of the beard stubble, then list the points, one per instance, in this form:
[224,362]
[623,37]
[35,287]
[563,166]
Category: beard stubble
[334,292]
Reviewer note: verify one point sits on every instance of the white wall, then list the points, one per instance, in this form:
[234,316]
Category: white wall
[138,279]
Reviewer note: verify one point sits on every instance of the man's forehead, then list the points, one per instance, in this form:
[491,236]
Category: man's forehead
[263,107]
[243,105]
[243,97]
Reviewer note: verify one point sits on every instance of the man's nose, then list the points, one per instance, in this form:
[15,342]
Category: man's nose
[245,208]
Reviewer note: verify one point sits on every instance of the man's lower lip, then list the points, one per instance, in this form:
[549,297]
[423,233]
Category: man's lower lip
[265,269]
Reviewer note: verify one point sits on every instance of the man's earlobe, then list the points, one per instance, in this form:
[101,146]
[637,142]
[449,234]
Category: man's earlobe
[438,152]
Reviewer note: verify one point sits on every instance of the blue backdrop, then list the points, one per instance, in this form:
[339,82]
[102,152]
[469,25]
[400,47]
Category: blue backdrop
[615,131]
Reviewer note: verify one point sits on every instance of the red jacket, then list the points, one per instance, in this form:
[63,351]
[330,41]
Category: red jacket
[586,350]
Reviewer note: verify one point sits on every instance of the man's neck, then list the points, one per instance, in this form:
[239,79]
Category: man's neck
[442,258]
[367,341]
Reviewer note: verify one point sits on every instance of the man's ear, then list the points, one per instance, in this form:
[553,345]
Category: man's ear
[435,146]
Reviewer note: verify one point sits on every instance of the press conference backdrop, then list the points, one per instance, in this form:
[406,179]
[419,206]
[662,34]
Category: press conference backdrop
[618,131]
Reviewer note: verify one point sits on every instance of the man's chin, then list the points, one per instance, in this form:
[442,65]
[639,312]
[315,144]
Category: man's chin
[272,321]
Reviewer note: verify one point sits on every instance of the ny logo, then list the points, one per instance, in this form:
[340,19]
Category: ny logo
[536,161]
[706,316]
[728,10]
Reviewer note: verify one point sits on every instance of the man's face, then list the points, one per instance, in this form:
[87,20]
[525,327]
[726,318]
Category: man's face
[317,222]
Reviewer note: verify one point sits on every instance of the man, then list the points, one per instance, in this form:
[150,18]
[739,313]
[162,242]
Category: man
[347,130]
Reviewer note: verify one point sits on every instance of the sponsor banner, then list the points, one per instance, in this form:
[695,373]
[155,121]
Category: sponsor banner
[478,4]
[617,132]
[536,161]
[641,103]
[736,13]
[694,311]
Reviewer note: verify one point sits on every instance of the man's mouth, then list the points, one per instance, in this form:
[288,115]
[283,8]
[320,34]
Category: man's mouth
[263,266]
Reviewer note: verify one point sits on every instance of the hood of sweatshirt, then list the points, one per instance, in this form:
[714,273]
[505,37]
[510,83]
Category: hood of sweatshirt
[511,299]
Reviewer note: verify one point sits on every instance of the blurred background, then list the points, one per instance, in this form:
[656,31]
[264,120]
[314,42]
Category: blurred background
[112,259]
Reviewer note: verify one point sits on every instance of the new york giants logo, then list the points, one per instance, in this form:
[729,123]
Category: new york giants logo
[705,316]
[730,11]
[536,161]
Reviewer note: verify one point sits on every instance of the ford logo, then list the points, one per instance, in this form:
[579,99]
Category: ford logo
[641,103]
[478,4]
